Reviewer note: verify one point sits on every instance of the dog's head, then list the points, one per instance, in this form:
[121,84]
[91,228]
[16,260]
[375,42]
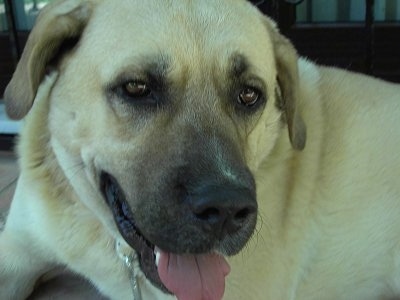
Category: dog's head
[168,108]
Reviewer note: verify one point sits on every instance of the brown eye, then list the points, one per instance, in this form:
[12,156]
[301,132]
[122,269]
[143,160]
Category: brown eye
[136,89]
[248,97]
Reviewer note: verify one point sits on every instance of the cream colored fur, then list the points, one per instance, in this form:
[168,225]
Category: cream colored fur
[329,215]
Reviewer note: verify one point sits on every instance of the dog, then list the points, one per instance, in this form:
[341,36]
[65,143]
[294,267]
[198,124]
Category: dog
[182,149]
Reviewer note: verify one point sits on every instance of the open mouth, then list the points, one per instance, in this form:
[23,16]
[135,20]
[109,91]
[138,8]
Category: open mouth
[123,217]
[186,276]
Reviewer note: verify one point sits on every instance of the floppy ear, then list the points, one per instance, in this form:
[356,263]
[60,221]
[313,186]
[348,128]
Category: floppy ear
[59,22]
[288,83]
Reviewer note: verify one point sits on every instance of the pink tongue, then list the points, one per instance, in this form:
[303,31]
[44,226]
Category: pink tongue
[193,277]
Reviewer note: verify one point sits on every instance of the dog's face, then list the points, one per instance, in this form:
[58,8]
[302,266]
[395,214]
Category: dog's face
[162,112]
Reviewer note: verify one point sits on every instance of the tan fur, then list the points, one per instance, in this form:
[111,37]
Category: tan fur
[65,22]
[327,166]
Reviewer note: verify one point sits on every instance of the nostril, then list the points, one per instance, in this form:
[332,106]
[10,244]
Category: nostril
[228,216]
[223,219]
[222,210]
[242,214]
[209,214]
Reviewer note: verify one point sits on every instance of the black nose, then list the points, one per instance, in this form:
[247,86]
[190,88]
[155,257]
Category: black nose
[223,209]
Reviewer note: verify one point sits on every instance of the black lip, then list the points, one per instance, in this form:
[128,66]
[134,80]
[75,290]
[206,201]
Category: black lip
[115,199]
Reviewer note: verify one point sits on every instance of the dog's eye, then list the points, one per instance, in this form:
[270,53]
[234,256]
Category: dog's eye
[249,96]
[136,89]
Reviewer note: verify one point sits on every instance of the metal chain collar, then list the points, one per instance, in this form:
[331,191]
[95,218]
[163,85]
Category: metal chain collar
[131,262]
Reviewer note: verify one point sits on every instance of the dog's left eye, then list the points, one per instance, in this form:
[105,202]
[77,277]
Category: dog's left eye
[136,89]
[249,96]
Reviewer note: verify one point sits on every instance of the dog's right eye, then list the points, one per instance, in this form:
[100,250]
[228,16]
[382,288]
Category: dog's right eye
[136,89]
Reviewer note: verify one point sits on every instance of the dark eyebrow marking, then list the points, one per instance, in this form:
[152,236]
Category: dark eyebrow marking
[158,67]
[241,72]
[152,68]
[239,65]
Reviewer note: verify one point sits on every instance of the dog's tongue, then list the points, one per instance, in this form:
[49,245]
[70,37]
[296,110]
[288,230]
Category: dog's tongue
[193,277]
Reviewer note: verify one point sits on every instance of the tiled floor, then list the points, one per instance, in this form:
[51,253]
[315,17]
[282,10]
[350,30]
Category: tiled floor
[64,286]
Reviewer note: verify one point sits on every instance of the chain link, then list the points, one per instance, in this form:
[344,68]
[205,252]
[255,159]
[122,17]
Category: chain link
[131,262]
